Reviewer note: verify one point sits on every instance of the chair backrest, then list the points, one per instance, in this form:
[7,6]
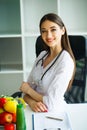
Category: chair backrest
[77,92]
[78,44]
[39,46]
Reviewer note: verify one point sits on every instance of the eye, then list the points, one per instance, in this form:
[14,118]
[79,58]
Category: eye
[53,30]
[43,31]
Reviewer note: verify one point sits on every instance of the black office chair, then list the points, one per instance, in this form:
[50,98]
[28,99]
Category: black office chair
[16,94]
[78,44]
[77,93]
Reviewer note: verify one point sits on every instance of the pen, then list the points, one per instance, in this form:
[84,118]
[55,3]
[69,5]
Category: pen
[54,118]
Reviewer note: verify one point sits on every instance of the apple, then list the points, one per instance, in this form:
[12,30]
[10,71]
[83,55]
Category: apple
[9,126]
[5,117]
[14,117]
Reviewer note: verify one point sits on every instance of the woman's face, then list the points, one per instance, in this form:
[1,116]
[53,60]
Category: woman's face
[51,33]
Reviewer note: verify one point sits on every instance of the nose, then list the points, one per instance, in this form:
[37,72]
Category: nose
[49,34]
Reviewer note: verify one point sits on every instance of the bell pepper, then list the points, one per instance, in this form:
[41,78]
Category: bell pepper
[10,106]
[1,110]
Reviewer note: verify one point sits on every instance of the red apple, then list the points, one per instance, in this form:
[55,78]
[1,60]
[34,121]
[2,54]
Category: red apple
[14,117]
[5,117]
[9,126]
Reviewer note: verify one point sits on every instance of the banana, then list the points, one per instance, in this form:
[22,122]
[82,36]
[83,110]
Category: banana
[21,100]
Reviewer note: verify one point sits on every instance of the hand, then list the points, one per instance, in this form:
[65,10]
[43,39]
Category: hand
[25,87]
[38,107]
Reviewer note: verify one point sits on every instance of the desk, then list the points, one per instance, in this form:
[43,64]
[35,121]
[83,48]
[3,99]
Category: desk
[78,116]
[77,113]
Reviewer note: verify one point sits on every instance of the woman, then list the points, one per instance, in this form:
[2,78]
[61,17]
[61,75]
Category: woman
[53,71]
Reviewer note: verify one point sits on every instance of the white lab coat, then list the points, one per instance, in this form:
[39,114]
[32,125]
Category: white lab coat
[55,81]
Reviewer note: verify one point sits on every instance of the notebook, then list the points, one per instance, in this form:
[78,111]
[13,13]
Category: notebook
[51,121]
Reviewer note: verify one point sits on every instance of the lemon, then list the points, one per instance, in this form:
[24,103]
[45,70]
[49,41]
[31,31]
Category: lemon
[11,106]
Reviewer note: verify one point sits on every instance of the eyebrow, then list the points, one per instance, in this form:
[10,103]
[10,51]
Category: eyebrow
[50,27]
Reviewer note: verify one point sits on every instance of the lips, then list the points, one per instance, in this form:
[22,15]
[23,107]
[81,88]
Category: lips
[49,40]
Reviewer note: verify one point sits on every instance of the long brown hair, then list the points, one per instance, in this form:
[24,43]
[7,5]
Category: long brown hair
[65,43]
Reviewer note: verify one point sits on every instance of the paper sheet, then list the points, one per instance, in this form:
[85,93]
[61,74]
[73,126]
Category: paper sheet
[41,122]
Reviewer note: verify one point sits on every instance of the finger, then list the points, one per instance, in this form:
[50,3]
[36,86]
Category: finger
[42,107]
[37,109]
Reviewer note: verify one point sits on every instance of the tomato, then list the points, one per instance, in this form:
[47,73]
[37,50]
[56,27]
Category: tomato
[2,101]
[9,126]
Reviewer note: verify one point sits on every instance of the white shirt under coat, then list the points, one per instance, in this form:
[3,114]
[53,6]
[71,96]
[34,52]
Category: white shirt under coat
[55,81]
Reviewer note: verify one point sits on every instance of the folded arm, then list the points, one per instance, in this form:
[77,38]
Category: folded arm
[32,98]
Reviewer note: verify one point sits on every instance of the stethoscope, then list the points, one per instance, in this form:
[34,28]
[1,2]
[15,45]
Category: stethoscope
[50,65]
